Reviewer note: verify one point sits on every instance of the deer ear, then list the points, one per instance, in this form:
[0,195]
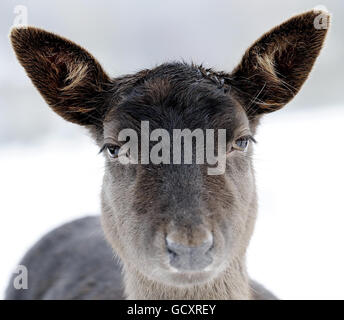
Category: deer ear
[274,68]
[70,80]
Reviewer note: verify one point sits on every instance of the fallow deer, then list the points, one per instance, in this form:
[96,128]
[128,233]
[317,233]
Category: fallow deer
[177,232]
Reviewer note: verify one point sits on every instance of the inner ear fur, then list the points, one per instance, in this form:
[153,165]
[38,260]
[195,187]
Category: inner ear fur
[68,77]
[275,67]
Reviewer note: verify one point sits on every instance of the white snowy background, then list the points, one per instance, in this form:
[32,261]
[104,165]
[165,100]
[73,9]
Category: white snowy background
[50,172]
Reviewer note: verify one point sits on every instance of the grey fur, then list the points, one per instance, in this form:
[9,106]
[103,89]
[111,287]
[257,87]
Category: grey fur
[75,262]
[71,262]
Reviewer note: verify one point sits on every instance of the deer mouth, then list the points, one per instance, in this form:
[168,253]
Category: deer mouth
[184,278]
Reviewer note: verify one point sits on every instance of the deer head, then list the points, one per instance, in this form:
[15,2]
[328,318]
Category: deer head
[175,223]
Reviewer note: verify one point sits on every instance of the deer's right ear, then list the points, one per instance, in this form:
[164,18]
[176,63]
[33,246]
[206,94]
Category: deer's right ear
[275,67]
[69,78]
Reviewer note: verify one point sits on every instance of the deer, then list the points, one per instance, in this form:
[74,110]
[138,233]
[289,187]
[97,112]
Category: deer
[166,231]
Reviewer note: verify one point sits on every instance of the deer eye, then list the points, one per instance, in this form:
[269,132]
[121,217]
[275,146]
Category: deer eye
[112,150]
[242,143]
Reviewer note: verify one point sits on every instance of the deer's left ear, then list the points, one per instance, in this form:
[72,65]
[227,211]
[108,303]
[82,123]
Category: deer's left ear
[68,77]
[274,68]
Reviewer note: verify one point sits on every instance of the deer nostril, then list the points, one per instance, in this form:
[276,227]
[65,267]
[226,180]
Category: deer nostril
[189,257]
[171,253]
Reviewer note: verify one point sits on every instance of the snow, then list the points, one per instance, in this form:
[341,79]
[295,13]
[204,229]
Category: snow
[296,250]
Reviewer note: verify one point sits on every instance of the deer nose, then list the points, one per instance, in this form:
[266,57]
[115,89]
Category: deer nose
[190,258]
